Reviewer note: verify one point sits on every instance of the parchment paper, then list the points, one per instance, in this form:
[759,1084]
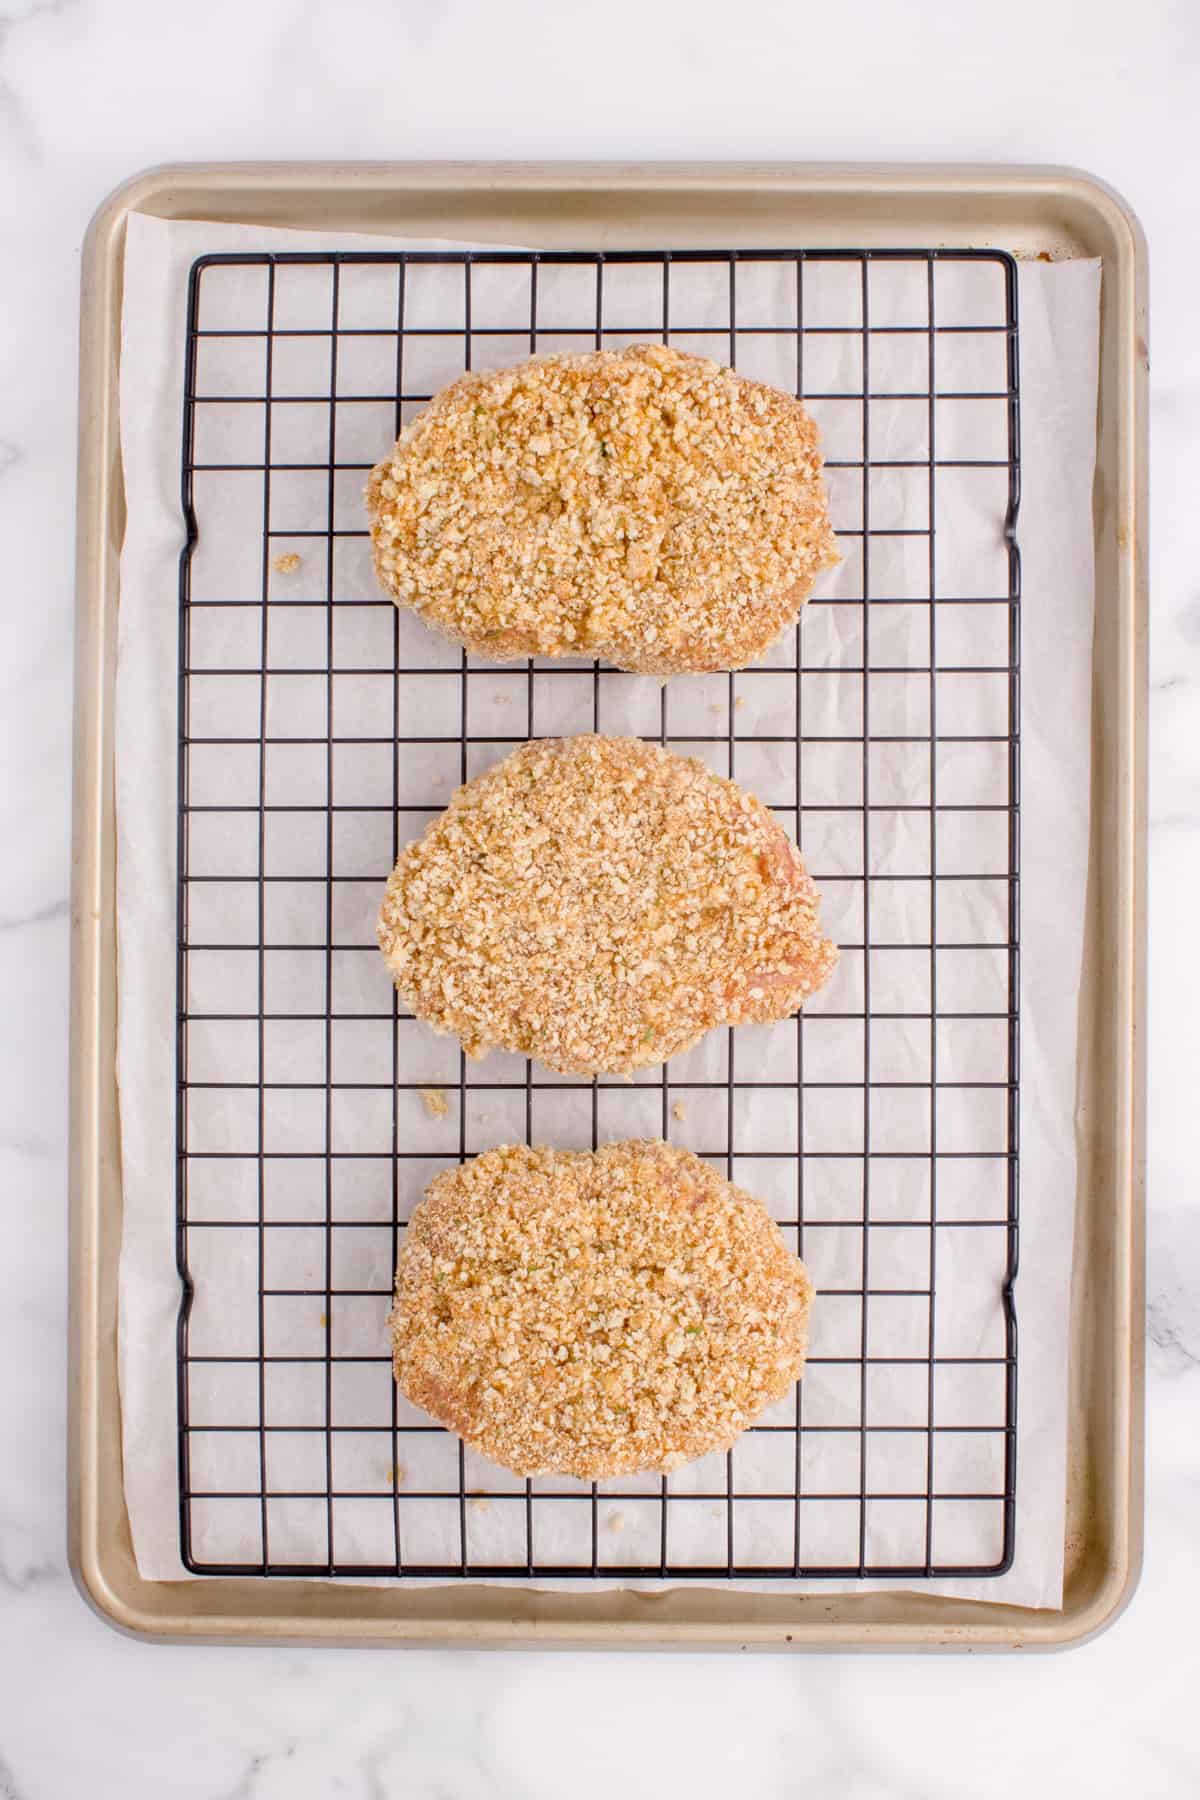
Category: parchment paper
[1058,350]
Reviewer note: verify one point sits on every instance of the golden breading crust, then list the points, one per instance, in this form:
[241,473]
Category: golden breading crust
[600,903]
[650,509]
[595,1313]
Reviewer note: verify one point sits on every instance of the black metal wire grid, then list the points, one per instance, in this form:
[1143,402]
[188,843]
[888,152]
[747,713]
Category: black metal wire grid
[302,1136]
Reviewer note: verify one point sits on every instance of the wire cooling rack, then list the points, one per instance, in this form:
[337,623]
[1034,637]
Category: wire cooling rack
[320,729]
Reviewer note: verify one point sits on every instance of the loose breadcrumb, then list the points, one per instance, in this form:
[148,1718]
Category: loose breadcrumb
[615,1521]
[600,903]
[479,1503]
[646,507]
[434,1102]
[679,1111]
[595,1313]
[286,565]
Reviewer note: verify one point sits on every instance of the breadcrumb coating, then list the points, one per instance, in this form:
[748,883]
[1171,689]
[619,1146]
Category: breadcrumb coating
[595,1313]
[599,903]
[648,508]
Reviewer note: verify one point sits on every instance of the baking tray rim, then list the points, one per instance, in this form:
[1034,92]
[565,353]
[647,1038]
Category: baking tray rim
[1062,210]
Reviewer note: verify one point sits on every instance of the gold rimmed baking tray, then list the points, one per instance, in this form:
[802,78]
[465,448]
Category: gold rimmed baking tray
[1029,211]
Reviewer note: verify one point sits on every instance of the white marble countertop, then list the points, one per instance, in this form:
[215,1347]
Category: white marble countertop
[91,90]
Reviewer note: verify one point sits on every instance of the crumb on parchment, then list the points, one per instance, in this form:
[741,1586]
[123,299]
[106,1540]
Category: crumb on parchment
[679,1111]
[287,564]
[434,1102]
[615,1521]
[479,1503]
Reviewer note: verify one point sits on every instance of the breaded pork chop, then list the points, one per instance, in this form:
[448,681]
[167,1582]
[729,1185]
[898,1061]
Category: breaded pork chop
[651,509]
[595,1313]
[599,903]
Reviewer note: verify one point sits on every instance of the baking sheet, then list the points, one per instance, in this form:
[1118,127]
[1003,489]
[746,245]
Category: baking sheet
[1058,343]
